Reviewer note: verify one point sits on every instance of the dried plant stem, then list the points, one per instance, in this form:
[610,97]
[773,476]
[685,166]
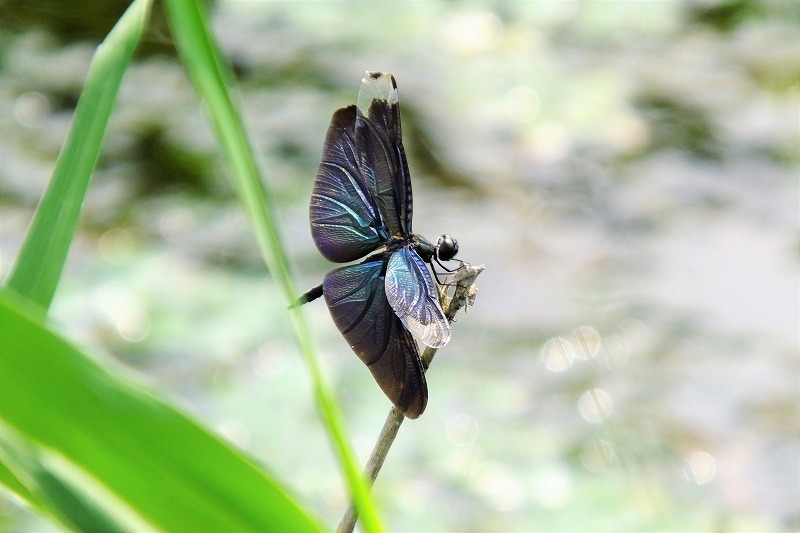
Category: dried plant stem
[464,295]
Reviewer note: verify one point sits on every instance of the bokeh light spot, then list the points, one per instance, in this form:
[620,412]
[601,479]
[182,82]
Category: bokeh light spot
[473,32]
[615,352]
[503,490]
[595,405]
[554,488]
[522,104]
[467,459]
[557,354]
[30,108]
[701,467]
[629,134]
[115,243]
[549,143]
[598,455]
[586,342]
[133,324]
[462,429]
[175,223]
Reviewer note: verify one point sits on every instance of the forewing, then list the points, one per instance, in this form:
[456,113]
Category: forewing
[357,301]
[345,221]
[379,146]
[412,295]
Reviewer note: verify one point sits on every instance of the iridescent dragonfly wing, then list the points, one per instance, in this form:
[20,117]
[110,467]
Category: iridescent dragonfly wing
[345,219]
[412,295]
[356,298]
[379,146]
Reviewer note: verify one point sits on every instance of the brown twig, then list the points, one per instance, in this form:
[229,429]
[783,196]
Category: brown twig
[463,295]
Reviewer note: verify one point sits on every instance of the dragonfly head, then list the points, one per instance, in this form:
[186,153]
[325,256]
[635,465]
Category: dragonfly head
[446,248]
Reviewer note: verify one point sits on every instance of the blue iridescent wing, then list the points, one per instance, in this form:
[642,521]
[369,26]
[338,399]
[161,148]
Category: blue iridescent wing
[357,301]
[379,146]
[412,295]
[345,220]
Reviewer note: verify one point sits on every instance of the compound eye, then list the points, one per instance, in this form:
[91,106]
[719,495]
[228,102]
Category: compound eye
[446,247]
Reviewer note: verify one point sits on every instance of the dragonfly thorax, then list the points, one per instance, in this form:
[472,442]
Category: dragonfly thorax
[446,247]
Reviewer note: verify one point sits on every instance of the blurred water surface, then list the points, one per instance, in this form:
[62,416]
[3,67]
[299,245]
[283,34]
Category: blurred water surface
[627,172]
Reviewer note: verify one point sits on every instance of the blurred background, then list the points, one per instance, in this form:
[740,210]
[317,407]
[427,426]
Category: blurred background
[627,171]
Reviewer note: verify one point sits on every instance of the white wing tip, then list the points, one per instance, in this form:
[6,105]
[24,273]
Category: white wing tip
[439,340]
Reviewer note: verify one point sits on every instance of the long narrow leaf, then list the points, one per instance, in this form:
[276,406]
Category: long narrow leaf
[12,482]
[48,491]
[211,76]
[119,443]
[121,452]
[39,264]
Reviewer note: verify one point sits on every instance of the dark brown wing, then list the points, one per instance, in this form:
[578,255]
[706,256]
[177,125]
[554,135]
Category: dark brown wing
[345,219]
[356,298]
[379,146]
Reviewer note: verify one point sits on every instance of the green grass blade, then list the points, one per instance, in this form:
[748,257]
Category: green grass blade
[48,492]
[41,259]
[118,444]
[211,77]
[40,262]
[13,483]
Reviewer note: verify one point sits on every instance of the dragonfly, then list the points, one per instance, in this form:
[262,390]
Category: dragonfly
[361,205]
